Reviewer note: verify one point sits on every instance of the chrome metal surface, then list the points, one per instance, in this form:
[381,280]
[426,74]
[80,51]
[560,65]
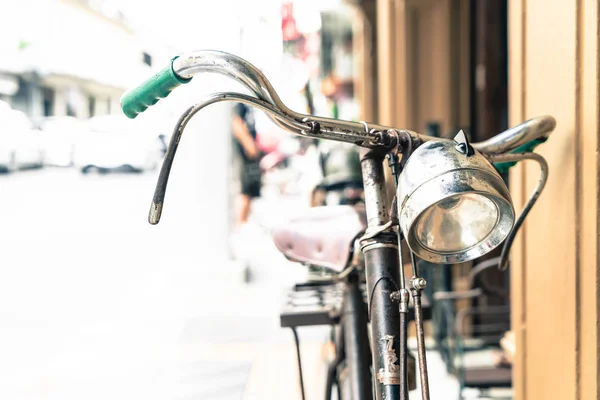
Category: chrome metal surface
[190,64]
[418,283]
[456,223]
[530,202]
[421,345]
[360,133]
[400,261]
[385,238]
[375,193]
[252,78]
[438,179]
[413,264]
[512,138]
[404,300]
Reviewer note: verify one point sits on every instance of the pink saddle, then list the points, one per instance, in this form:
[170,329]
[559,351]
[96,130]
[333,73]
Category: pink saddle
[320,236]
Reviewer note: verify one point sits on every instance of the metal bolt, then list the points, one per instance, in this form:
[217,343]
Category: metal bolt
[419,284]
[392,138]
[315,127]
[378,138]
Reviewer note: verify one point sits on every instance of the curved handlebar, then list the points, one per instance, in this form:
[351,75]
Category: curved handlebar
[184,67]
[536,129]
[523,137]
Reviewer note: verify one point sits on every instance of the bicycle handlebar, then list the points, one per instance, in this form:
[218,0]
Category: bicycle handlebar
[535,130]
[521,138]
[183,68]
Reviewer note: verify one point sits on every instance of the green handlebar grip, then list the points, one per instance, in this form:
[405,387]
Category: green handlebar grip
[528,147]
[135,101]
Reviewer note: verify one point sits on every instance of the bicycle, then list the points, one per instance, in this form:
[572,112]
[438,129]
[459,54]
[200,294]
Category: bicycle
[451,206]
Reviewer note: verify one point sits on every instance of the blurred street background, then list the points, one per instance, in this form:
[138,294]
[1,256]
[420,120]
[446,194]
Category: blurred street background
[95,302]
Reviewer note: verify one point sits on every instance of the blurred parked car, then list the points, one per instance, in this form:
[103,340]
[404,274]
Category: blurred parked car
[60,135]
[21,145]
[115,143]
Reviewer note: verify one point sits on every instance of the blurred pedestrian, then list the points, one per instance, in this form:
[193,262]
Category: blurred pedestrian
[244,133]
[245,137]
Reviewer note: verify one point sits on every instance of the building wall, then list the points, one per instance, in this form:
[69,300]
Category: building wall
[84,53]
[422,70]
[553,57]
[75,50]
[423,60]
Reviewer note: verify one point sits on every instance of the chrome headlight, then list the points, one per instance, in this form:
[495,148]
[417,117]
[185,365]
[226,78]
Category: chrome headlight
[453,206]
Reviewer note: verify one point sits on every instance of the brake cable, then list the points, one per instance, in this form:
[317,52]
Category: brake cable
[503,265]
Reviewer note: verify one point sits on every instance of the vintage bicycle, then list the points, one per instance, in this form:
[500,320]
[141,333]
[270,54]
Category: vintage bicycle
[451,206]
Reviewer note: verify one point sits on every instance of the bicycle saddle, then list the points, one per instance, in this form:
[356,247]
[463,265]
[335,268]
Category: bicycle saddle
[320,236]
